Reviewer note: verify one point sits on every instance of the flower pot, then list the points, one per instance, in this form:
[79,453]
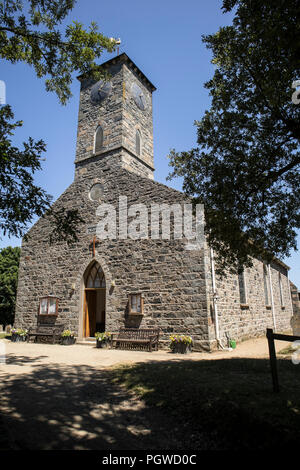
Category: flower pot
[102,344]
[17,338]
[67,340]
[181,348]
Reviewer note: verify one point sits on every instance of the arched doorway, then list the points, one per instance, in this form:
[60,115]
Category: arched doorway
[94,300]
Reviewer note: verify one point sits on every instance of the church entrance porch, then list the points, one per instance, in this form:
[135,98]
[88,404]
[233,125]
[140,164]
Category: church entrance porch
[94,301]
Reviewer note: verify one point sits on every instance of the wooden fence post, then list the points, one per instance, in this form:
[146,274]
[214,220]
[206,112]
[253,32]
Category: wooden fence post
[273,360]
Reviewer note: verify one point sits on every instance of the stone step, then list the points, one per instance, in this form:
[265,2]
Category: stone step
[86,341]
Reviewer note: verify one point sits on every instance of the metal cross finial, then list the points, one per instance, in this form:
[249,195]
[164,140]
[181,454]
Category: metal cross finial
[94,241]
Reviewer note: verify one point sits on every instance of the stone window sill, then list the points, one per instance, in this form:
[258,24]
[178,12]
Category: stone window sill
[47,315]
[99,152]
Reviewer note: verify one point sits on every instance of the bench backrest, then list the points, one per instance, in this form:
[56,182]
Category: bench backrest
[55,329]
[138,333]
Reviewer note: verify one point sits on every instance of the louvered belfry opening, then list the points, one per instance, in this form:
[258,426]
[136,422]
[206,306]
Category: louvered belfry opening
[138,142]
[98,139]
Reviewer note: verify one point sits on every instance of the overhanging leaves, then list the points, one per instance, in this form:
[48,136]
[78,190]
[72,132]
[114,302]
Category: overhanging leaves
[246,167]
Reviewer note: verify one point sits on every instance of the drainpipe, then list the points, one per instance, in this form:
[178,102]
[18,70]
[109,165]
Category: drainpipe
[272,298]
[215,297]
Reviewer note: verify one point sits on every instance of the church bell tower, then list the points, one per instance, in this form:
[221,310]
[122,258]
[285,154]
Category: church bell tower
[115,119]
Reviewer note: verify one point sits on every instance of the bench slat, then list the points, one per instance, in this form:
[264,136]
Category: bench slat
[141,336]
[45,330]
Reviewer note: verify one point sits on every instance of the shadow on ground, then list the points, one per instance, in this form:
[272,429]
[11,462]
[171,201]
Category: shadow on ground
[76,407]
[13,359]
[222,404]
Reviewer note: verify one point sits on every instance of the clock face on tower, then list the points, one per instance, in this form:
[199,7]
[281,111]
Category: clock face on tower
[138,96]
[100,91]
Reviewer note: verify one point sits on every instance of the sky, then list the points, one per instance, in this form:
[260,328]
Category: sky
[163,38]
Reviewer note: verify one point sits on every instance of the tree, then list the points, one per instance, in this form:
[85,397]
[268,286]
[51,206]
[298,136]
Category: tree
[246,166]
[9,266]
[31,32]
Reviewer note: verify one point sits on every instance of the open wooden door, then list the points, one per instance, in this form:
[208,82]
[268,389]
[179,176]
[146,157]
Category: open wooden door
[90,307]
[94,300]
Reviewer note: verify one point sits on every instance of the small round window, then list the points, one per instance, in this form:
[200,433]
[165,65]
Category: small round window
[96,192]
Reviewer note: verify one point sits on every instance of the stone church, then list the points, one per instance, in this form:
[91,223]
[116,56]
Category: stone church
[103,284]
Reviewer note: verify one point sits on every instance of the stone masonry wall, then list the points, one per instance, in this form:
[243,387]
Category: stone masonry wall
[108,115]
[242,321]
[171,278]
[120,118]
[136,119]
[296,309]
[175,282]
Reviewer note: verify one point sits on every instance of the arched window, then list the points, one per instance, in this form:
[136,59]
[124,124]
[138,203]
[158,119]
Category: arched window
[98,139]
[242,288]
[138,142]
[266,285]
[95,277]
[280,290]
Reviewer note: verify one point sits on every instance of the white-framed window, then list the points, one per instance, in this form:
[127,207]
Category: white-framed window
[136,304]
[48,305]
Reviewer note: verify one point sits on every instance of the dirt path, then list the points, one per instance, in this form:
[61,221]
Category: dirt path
[60,397]
[28,355]
[55,397]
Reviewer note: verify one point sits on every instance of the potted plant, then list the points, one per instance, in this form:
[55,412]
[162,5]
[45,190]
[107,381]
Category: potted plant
[103,339]
[67,337]
[181,344]
[18,334]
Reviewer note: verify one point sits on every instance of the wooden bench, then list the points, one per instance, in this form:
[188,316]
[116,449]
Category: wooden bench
[53,331]
[136,338]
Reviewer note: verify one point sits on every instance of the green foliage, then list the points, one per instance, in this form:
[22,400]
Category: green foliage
[105,336]
[65,225]
[19,331]
[9,266]
[246,167]
[67,334]
[32,32]
[19,196]
[180,339]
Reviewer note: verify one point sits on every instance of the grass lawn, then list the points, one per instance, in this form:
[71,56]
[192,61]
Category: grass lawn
[221,404]
[4,335]
[288,350]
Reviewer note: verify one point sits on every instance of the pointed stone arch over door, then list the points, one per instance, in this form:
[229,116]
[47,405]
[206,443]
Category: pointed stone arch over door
[94,300]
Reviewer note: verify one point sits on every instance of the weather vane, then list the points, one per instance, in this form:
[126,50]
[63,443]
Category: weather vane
[118,42]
